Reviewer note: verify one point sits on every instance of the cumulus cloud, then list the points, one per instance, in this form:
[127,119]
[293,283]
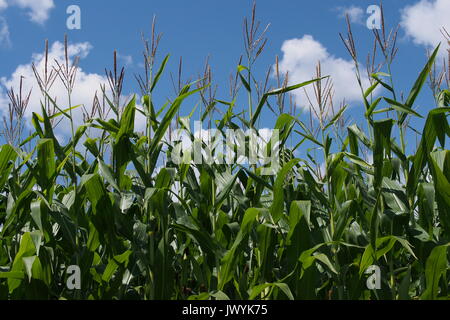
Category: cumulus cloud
[37,10]
[84,89]
[300,57]
[4,32]
[424,20]
[3,5]
[126,59]
[355,14]
[4,29]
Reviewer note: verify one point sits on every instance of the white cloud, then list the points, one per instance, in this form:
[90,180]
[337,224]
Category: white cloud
[38,10]
[424,20]
[84,89]
[4,32]
[4,29]
[126,59]
[355,14]
[300,57]
[3,5]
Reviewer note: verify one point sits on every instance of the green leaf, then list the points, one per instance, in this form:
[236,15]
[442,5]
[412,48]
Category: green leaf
[27,249]
[244,82]
[401,108]
[160,72]
[46,163]
[372,107]
[122,147]
[336,117]
[382,132]
[417,87]
[230,259]
[277,208]
[263,100]
[257,290]
[106,173]
[114,263]
[308,257]
[436,267]
[384,245]
[435,126]
[7,157]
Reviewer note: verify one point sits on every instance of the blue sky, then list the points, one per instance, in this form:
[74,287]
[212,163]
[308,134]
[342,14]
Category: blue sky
[200,28]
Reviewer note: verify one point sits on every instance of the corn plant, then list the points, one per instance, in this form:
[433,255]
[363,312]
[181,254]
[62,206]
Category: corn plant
[137,225]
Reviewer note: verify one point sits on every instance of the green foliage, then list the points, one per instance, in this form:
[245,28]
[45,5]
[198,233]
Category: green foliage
[225,231]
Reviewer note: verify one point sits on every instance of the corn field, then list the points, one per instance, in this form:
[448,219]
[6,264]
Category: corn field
[111,206]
